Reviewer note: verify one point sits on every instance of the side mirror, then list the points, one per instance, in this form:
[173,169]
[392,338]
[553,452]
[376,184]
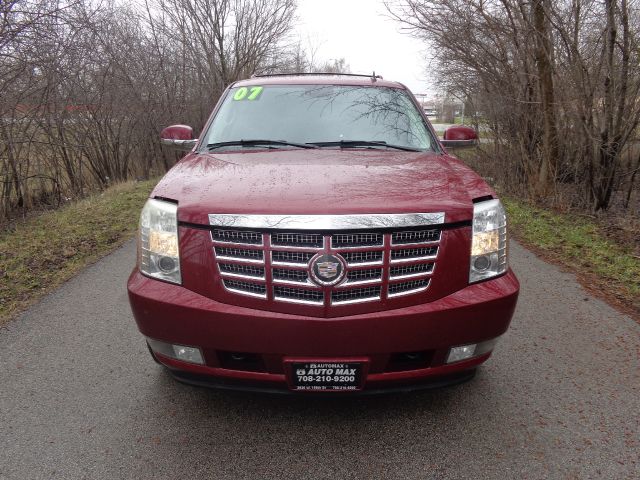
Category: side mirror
[459,136]
[179,137]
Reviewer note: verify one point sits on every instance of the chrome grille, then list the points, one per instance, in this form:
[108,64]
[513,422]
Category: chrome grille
[356,276]
[275,265]
[288,275]
[405,288]
[237,236]
[413,253]
[405,271]
[298,295]
[351,240]
[241,270]
[239,253]
[313,240]
[417,236]
[246,288]
[291,257]
[355,295]
[362,258]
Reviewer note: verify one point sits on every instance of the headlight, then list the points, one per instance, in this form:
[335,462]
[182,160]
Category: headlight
[158,253]
[489,241]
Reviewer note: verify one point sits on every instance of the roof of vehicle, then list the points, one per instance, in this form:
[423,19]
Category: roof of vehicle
[319,79]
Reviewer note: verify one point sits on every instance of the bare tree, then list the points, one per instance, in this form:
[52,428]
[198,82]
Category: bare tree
[86,86]
[603,62]
[223,40]
[558,83]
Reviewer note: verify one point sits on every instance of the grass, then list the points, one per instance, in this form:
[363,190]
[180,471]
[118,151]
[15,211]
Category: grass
[41,252]
[579,244]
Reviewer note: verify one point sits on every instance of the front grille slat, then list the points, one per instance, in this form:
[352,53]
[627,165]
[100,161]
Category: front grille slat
[293,239]
[246,288]
[237,236]
[355,295]
[415,236]
[241,270]
[240,254]
[284,274]
[406,254]
[354,240]
[362,258]
[406,288]
[413,270]
[298,295]
[302,258]
[369,275]
[378,265]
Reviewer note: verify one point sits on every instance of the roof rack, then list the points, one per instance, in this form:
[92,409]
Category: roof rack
[373,76]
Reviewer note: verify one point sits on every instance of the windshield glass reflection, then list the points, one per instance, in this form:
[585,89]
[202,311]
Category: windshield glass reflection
[319,114]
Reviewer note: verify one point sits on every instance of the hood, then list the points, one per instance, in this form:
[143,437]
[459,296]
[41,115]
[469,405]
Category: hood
[327,181]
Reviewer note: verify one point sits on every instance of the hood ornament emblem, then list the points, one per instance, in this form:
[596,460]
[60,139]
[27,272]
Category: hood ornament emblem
[326,269]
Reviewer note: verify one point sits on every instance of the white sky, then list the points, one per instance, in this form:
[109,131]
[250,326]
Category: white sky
[359,31]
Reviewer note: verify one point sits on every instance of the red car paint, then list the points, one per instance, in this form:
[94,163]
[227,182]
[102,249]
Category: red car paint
[202,313]
[177,132]
[259,183]
[460,132]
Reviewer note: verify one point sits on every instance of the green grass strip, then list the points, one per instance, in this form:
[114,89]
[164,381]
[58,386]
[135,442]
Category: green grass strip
[41,252]
[578,242]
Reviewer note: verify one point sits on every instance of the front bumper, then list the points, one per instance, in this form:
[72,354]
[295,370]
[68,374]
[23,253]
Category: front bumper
[173,314]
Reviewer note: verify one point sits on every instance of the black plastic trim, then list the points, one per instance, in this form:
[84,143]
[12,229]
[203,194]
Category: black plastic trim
[218,383]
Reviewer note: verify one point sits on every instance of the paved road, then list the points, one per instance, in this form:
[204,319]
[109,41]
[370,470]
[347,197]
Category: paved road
[79,398]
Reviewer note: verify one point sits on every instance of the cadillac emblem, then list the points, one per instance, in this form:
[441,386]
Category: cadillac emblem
[327,269]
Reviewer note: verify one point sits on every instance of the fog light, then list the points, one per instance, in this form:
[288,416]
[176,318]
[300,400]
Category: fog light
[465,352]
[179,352]
[456,354]
[188,354]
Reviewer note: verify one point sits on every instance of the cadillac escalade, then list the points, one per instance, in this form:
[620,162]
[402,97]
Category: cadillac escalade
[318,237]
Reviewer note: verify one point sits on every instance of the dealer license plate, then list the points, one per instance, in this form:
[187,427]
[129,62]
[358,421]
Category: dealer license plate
[326,376]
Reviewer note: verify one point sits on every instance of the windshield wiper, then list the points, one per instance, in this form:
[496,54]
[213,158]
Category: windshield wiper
[365,143]
[257,143]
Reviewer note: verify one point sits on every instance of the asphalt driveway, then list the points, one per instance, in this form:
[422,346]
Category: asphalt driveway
[80,398]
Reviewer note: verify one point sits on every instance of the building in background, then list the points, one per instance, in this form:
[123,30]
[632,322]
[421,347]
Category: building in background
[441,108]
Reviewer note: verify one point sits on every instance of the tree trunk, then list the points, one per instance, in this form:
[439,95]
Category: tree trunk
[547,172]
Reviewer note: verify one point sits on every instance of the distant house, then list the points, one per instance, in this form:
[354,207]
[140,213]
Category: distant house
[430,112]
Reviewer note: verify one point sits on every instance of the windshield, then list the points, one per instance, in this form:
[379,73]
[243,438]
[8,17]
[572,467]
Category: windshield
[319,114]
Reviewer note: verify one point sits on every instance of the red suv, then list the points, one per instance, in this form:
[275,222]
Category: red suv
[319,238]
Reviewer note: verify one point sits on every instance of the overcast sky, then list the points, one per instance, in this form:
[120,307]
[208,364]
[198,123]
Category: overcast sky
[359,31]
